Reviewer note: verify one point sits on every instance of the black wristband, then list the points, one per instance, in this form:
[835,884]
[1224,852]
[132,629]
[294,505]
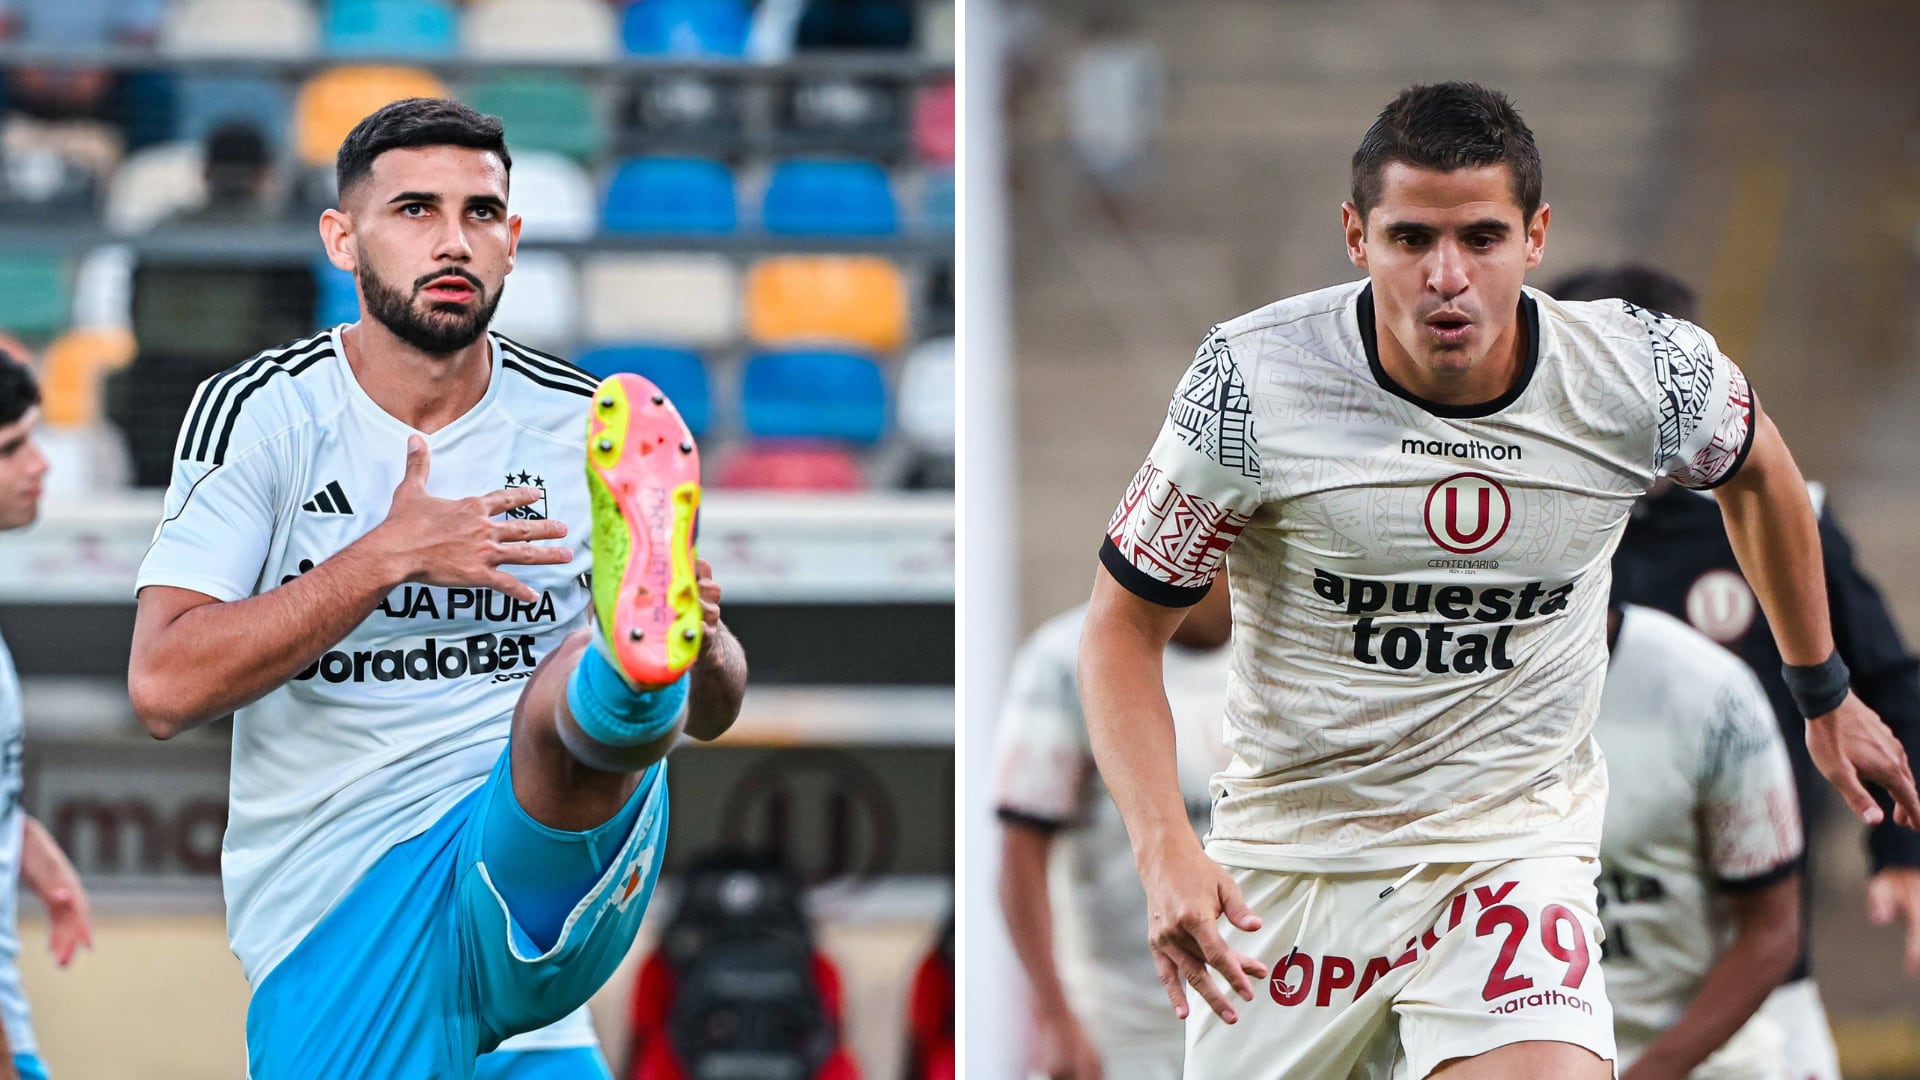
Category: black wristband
[1817,689]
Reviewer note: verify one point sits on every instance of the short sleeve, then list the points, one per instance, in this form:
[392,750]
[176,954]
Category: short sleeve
[218,524]
[1750,816]
[1199,487]
[1042,755]
[1707,411]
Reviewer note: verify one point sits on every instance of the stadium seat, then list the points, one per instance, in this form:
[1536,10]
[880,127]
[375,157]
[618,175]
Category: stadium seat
[554,197]
[540,306]
[855,24]
[925,409]
[336,298]
[71,373]
[684,299]
[833,113]
[937,31]
[33,294]
[936,202]
[153,185]
[799,299]
[840,198]
[389,28]
[933,124]
[103,289]
[582,30]
[813,395]
[543,112]
[672,195]
[685,28]
[787,467]
[679,373]
[207,101]
[678,112]
[332,102]
[254,29]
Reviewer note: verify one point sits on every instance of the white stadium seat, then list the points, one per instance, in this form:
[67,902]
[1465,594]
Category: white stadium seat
[540,30]
[672,299]
[554,196]
[541,305]
[249,28]
[154,184]
[925,398]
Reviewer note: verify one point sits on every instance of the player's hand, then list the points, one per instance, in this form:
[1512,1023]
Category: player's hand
[1061,1049]
[709,603]
[1852,744]
[70,922]
[458,542]
[1894,893]
[1186,895]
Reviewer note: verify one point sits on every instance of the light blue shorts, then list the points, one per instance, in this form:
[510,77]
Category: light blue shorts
[30,1067]
[420,968]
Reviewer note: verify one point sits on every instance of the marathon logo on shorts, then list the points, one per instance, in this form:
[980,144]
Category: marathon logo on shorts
[503,656]
[1545,997]
[1437,647]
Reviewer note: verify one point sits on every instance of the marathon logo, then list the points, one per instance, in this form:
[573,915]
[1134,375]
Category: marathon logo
[1472,449]
[504,656]
[1436,647]
[480,605]
[1545,997]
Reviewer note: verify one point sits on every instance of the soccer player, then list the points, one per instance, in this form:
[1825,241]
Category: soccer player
[1114,1025]
[1699,858]
[1675,558]
[27,851]
[448,802]
[1422,477]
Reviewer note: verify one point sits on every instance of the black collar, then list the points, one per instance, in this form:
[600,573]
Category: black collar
[1529,315]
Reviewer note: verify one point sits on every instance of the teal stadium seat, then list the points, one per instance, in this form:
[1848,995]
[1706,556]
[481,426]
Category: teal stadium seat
[33,295]
[839,198]
[814,395]
[679,373]
[543,112]
[936,201]
[410,28]
[670,195]
[685,28]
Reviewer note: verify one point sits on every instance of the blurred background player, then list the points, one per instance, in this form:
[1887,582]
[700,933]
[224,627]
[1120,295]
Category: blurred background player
[1097,1007]
[1699,858]
[28,855]
[1675,558]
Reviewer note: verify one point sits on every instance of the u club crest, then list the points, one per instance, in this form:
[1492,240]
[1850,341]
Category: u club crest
[1467,513]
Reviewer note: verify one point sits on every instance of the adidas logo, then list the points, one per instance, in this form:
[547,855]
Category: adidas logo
[329,500]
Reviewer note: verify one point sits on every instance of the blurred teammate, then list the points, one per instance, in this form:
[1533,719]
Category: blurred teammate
[341,564]
[1675,557]
[27,852]
[1114,1023]
[1700,857]
[1422,477]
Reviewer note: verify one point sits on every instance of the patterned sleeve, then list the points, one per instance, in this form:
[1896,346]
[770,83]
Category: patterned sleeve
[1199,487]
[1707,411]
[1042,756]
[1749,814]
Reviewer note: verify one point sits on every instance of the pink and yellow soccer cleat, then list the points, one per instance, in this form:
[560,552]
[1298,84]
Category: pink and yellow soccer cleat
[643,475]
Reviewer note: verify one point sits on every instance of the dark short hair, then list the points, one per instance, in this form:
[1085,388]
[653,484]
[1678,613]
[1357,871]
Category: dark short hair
[19,390]
[415,122]
[1642,286]
[1448,126]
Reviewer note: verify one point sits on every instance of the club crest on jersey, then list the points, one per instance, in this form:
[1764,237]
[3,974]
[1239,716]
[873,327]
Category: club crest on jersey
[1467,513]
[1721,605]
[535,511]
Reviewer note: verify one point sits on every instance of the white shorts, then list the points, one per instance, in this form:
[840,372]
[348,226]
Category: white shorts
[1796,1009]
[1456,960]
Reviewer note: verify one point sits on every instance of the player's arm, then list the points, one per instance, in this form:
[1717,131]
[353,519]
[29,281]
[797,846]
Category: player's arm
[720,673]
[1776,537]
[196,658]
[1766,941]
[1062,1050]
[45,870]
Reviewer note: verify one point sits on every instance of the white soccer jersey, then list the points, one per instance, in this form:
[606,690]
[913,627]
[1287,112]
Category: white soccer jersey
[1046,775]
[1702,802]
[13,821]
[1419,590]
[284,460]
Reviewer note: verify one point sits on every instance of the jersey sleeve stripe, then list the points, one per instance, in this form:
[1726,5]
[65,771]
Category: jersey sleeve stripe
[1746,446]
[222,412]
[286,367]
[1145,585]
[551,365]
[1763,880]
[531,375]
[1032,821]
[215,390]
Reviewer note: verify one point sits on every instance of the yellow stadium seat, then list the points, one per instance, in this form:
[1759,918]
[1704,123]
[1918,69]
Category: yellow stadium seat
[858,300]
[332,102]
[71,375]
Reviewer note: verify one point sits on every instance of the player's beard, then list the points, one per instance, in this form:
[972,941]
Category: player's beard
[442,330]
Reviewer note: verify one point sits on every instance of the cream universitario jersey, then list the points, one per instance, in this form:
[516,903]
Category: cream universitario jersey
[13,821]
[282,461]
[1419,590]
[1702,805]
[1045,777]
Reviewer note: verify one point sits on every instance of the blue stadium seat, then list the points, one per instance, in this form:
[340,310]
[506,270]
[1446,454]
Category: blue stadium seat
[685,27]
[207,101]
[814,395]
[335,300]
[846,198]
[674,195]
[679,373]
[389,28]
[936,202]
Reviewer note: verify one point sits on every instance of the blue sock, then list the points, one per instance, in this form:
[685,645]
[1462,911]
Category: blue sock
[609,711]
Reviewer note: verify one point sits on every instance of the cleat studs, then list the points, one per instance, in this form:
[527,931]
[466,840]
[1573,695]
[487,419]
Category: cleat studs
[636,633]
[659,400]
[686,448]
[688,634]
[606,402]
[606,445]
